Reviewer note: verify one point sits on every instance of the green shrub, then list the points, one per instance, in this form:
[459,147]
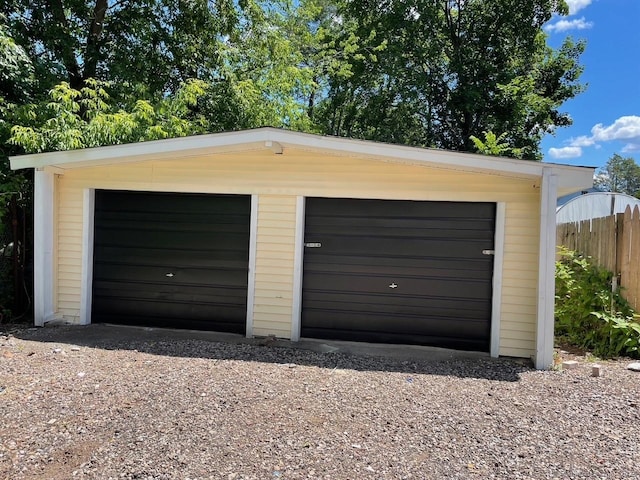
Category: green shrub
[588,313]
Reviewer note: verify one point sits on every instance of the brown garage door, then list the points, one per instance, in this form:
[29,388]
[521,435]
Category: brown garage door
[398,272]
[171,260]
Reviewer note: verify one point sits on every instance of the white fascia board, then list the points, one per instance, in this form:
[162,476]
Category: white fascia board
[136,152]
[568,176]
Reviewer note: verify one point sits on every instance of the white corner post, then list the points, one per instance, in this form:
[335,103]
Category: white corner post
[251,281]
[296,311]
[546,268]
[43,241]
[496,301]
[86,295]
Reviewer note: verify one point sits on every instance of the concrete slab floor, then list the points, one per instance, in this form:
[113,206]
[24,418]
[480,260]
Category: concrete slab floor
[112,333]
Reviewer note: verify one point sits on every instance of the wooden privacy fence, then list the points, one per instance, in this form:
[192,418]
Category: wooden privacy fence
[613,243]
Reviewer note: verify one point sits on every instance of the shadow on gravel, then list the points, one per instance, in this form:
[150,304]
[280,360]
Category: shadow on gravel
[321,354]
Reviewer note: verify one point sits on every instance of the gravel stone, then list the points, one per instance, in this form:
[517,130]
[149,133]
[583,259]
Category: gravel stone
[174,408]
[635,367]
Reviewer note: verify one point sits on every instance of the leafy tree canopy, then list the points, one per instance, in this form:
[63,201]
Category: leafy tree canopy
[437,72]
[621,175]
[85,118]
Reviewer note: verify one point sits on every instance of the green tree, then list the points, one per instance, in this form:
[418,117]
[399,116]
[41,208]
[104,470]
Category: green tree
[494,145]
[435,73]
[85,118]
[621,175]
[156,43]
[16,86]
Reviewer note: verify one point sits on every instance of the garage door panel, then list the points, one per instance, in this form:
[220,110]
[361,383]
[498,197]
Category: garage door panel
[362,208]
[228,260]
[394,229]
[178,260]
[437,307]
[174,240]
[159,320]
[318,260]
[381,285]
[168,224]
[168,203]
[445,331]
[410,325]
[440,248]
[410,270]
[455,342]
[196,293]
[398,271]
[168,309]
[177,277]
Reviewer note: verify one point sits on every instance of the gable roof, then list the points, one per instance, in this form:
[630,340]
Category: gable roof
[569,177]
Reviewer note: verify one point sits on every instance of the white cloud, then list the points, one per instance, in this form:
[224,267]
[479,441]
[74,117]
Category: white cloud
[631,147]
[576,5]
[565,152]
[582,141]
[624,128]
[564,25]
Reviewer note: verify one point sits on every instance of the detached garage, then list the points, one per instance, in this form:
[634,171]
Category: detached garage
[271,232]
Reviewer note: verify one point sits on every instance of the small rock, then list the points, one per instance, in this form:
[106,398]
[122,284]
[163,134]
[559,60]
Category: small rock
[75,348]
[81,374]
[634,367]
[267,341]
[57,350]
[596,370]
[570,364]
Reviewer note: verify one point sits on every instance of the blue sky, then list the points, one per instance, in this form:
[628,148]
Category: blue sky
[606,117]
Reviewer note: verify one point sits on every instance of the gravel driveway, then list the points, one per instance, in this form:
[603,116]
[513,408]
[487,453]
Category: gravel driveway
[184,408]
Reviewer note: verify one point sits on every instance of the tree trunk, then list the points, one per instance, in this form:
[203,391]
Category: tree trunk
[65,49]
[93,46]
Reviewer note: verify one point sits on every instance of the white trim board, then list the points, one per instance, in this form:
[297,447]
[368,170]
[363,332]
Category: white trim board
[251,281]
[43,240]
[496,301]
[296,310]
[546,270]
[88,216]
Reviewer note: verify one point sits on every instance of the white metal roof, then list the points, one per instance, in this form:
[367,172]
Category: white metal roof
[594,205]
[570,178]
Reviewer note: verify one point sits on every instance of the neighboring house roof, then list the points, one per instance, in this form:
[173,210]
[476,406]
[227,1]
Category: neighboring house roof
[594,205]
[565,198]
[569,178]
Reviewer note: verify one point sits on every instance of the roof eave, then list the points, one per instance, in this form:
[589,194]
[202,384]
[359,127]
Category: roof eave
[569,176]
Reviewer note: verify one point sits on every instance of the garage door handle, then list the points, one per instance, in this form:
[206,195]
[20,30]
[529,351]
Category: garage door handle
[313,245]
[488,252]
[169,275]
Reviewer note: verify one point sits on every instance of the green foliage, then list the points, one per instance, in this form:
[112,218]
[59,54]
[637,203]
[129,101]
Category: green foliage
[73,119]
[620,174]
[16,85]
[588,313]
[450,70]
[16,70]
[494,145]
